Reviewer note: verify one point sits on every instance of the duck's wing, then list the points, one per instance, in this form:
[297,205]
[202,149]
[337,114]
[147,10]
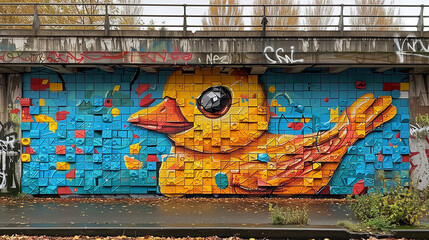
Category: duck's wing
[310,160]
[364,115]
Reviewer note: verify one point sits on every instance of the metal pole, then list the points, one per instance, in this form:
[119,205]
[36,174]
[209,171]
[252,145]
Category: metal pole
[106,21]
[36,20]
[341,21]
[264,23]
[420,23]
[185,27]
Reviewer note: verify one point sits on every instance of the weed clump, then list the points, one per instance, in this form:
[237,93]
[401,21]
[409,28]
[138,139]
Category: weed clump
[288,216]
[388,207]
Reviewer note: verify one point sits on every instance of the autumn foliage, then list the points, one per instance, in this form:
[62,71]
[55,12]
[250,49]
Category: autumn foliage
[381,16]
[79,16]
[281,17]
[221,16]
[323,14]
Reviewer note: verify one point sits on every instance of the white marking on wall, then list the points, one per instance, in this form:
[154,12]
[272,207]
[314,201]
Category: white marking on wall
[411,46]
[279,57]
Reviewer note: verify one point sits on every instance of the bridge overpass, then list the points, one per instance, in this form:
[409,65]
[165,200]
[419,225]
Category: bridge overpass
[293,51]
[75,98]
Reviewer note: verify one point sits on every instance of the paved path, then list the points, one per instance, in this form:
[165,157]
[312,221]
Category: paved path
[172,218]
[160,214]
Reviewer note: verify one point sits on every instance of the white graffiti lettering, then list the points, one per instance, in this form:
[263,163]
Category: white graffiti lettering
[222,59]
[410,46]
[281,59]
[416,130]
[216,59]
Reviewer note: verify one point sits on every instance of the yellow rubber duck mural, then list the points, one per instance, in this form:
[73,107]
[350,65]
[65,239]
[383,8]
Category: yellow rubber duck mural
[222,144]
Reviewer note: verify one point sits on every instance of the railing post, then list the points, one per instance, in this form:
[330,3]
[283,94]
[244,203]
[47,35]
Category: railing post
[185,24]
[106,20]
[420,23]
[341,21]
[264,23]
[36,20]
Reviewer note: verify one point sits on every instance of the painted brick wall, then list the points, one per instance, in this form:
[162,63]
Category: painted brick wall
[213,133]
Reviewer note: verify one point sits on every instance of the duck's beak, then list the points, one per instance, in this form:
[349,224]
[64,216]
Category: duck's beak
[165,117]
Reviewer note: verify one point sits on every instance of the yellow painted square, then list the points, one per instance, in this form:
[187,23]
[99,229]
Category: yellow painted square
[56,87]
[116,88]
[45,81]
[308,182]
[317,165]
[63,166]
[25,157]
[41,102]
[252,79]
[405,87]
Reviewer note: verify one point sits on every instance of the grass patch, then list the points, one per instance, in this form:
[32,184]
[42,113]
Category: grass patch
[288,216]
[373,226]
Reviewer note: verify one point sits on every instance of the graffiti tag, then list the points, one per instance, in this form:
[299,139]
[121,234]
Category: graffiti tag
[279,57]
[222,59]
[417,130]
[410,46]
[69,57]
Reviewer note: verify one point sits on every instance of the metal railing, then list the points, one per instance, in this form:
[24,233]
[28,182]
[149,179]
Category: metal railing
[188,17]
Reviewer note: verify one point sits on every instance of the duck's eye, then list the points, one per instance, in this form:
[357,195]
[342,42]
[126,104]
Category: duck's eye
[215,101]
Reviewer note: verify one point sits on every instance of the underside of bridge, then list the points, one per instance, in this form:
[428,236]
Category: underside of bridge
[179,113]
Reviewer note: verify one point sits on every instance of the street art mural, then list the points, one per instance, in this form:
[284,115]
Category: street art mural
[9,155]
[212,132]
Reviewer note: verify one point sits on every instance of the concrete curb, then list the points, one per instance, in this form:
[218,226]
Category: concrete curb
[276,232]
[411,233]
[247,232]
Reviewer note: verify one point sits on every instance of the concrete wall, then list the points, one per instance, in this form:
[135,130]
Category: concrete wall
[419,138]
[208,132]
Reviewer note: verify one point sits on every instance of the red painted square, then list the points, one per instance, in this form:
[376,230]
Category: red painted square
[152,158]
[391,86]
[78,151]
[64,191]
[25,102]
[61,150]
[405,158]
[359,187]
[39,84]
[326,190]
[79,133]
[26,117]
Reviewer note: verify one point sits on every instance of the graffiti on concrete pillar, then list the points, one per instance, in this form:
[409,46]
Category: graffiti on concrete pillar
[419,130]
[9,156]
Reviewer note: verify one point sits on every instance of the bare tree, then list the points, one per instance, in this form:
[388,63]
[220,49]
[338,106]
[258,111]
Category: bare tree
[282,16]
[224,16]
[324,12]
[130,10]
[378,11]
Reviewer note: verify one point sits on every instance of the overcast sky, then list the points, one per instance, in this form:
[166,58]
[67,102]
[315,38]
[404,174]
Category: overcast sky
[248,10]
